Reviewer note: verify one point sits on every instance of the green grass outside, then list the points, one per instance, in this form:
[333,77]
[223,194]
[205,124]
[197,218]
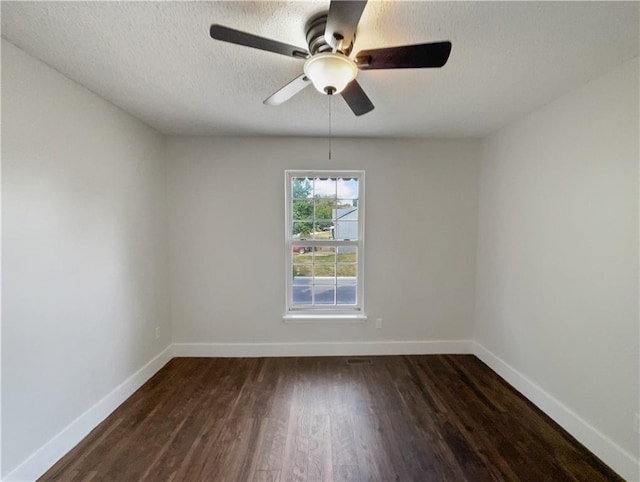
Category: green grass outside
[324,264]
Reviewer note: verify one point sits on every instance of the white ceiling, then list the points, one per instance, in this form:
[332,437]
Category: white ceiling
[157,61]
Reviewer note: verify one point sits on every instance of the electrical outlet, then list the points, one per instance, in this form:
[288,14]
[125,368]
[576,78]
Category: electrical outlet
[636,423]
[157,332]
[379,323]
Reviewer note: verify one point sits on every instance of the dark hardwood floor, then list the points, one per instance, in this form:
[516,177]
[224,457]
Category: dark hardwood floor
[422,418]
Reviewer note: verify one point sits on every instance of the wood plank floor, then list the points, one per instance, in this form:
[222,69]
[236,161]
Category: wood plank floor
[422,418]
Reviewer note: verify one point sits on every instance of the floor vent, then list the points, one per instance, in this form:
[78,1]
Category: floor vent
[359,361]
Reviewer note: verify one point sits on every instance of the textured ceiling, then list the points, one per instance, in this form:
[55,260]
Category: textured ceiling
[157,61]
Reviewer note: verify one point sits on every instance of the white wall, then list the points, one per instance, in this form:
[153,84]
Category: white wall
[557,276]
[226,199]
[84,237]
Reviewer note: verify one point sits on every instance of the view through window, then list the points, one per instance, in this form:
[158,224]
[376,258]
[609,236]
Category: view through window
[325,212]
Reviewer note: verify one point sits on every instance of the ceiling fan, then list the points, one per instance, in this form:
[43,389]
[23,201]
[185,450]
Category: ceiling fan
[328,64]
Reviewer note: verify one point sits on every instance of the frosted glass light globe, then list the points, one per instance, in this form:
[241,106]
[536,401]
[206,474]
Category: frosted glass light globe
[329,72]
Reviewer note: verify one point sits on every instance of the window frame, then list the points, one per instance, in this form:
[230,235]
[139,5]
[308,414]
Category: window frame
[324,313]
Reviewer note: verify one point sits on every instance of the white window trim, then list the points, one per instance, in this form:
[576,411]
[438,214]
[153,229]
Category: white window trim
[355,314]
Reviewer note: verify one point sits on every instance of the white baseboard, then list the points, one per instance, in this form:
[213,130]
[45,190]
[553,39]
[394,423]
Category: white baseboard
[47,455]
[367,348]
[608,451]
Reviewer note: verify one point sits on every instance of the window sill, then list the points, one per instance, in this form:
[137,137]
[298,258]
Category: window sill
[324,318]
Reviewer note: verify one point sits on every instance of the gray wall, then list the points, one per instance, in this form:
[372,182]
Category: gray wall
[557,282]
[84,248]
[226,203]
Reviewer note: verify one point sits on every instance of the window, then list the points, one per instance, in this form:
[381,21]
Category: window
[324,244]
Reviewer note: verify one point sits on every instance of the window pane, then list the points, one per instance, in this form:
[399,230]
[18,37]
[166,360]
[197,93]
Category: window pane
[324,274]
[301,269]
[324,187]
[318,233]
[323,228]
[302,295]
[348,188]
[324,295]
[347,293]
[324,207]
[302,274]
[302,254]
[348,254]
[346,230]
[347,270]
[348,209]
[302,209]
[301,188]
[301,229]
[325,255]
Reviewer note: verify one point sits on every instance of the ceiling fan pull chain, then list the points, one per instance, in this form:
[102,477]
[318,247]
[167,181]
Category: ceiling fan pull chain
[330,97]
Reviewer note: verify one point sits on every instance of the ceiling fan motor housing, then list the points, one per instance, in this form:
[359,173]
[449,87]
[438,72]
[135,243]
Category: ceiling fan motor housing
[323,61]
[315,29]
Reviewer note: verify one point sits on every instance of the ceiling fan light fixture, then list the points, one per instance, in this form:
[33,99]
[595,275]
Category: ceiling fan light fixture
[330,72]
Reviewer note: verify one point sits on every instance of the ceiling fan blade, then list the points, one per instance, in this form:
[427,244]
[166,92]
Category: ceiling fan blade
[357,99]
[405,57]
[288,91]
[233,36]
[342,22]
